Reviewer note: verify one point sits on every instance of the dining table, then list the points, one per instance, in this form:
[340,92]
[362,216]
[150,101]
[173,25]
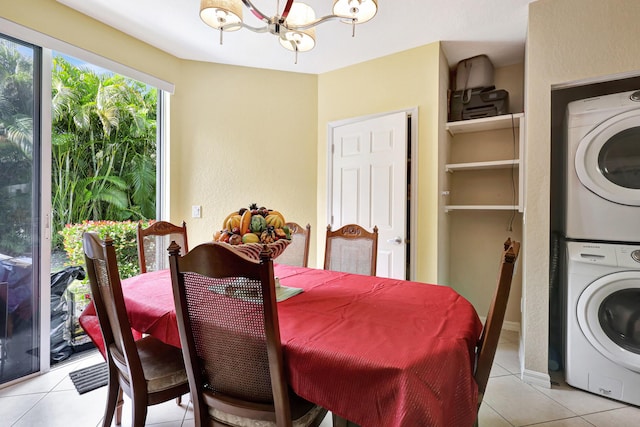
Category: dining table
[376,351]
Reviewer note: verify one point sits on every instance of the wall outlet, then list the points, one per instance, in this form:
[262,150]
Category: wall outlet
[196,211]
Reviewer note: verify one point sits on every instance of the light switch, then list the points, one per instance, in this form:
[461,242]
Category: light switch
[196,211]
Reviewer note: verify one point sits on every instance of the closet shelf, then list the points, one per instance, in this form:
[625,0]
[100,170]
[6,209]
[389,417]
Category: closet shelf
[493,164]
[488,123]
[448,208]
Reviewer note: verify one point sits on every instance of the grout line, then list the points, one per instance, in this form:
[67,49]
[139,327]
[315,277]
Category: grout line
[499,414]
[586,421]
[552,421]
[31,408]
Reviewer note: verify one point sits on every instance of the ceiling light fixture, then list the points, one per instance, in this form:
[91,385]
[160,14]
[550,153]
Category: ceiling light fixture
[295,25]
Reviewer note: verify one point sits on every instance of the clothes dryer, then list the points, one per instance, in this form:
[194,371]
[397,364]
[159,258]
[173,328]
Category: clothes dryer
[602,177]
[602,319]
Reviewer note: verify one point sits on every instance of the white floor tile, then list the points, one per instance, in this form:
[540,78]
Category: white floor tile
[51,400]
[624,417]
[65,408]
[157,414]
[12,408]
[40,384]
[327,422]
[507,356]
[579,401]
[488,417]
[498,371]
[169,424]
[567,422]
[521,404]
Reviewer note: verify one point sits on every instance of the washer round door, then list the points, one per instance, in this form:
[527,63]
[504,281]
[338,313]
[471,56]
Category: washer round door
[608,159]
[608,312]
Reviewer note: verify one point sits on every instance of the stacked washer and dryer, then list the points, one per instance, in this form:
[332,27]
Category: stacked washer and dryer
[602,246]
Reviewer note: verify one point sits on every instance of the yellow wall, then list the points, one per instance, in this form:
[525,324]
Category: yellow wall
[231,145]
[567,41]
[234,142]
[400,81]
[53,19]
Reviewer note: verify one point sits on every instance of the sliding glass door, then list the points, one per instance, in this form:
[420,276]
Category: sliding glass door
[33,336]
[19,209]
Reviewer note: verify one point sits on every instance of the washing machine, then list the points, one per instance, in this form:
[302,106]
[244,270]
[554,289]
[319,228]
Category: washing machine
[602,176]
[602,319]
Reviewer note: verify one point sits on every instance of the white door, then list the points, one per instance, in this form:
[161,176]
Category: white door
[369,184]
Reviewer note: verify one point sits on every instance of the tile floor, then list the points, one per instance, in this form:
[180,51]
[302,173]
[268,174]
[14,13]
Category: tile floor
[52,401]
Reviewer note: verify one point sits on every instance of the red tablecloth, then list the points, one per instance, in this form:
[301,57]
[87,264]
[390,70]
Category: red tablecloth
[379,352]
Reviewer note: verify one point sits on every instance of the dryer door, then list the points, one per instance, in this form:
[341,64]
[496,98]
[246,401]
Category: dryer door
[608,159]
[608,312]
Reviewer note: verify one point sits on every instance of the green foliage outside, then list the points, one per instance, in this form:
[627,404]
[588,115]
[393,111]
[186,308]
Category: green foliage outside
[124,239]
[16,142]
[103,149]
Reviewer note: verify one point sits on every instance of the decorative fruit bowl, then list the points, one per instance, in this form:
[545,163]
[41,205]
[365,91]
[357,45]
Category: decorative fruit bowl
[253,250]
[249,230]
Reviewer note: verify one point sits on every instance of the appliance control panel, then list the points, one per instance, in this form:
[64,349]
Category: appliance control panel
[628,256]
[605,254]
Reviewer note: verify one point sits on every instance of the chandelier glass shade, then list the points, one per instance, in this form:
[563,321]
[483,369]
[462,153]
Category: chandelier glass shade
[294,24]
[222,13]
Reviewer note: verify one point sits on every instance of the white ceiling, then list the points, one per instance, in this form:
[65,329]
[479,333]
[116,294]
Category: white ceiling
[466,28]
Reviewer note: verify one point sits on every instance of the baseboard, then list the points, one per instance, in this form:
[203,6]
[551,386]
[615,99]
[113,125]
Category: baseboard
[531,377]
[511,326]
[506,325]
[536,378]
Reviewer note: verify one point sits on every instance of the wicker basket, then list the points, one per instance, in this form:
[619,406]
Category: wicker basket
[252,250]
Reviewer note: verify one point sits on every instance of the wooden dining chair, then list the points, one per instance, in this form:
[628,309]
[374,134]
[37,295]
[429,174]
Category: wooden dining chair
[154,240]
[297,253]
[488,342]
[351,249]
[148,370]
[229,332]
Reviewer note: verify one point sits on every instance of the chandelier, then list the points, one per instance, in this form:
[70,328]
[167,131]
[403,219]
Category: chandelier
[294,26]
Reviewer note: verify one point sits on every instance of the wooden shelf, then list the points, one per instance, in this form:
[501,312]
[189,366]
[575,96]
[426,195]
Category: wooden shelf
[506,121]
[488,123]
[494,164]
[448,208]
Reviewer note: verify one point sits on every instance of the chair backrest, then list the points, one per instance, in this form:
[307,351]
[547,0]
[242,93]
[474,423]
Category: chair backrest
[229,333]
[154,240]
[351,249]
[107,297]
[488,343]
[297,252]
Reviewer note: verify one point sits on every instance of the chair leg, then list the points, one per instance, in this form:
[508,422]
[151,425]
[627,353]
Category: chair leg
[119,408]
[114,394]
[338,421]
[139,409]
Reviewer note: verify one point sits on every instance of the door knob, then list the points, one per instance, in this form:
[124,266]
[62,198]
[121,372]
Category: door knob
[397,240]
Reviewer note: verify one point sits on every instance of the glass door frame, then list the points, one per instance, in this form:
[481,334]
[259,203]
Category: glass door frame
[40,311]
[48,45]
[45,210]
